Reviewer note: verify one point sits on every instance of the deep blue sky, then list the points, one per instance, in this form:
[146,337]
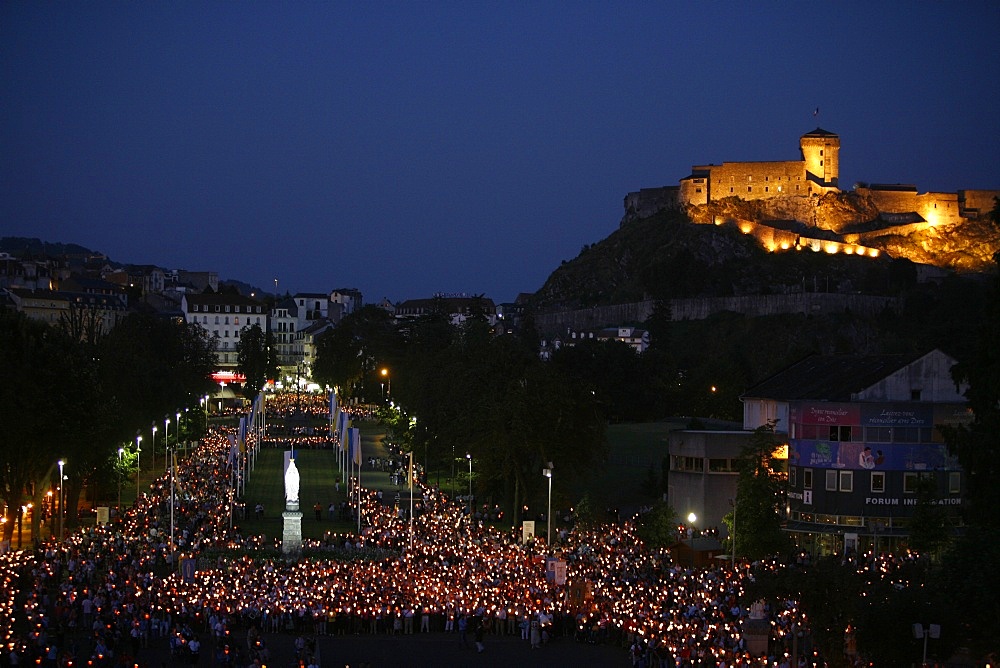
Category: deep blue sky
[419,147]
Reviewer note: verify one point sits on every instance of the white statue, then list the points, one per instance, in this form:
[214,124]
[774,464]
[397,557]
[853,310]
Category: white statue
[291,485]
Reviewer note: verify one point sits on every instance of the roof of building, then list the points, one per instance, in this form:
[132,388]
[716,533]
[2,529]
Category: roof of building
[220,298]
[829,377]
[820,132]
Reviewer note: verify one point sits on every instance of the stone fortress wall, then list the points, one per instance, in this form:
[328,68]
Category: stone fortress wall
[556,323]
[793,185]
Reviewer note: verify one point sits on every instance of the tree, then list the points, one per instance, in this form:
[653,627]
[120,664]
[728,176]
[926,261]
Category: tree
[31,424]
[929,522]
[758,531]
[658,527]
[349,353]
[971,570]
[256,359]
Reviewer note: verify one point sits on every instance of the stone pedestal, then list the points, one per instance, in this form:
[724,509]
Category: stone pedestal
[291,537]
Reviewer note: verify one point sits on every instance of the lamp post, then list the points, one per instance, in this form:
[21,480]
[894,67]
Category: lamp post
[170,463]
[732,502]
[548,516]
[62,499]
[177,434]
[121,455]
[692,518]
[138,449]
[469,457]
[154,442]
[386,383]
[166,434]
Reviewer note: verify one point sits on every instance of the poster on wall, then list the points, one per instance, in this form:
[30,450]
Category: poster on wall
[881,456]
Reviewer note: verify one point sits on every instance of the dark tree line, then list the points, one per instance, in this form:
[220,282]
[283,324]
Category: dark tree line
[80,398]
[473,393]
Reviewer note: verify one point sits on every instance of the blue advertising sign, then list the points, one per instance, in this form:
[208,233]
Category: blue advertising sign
[880,456]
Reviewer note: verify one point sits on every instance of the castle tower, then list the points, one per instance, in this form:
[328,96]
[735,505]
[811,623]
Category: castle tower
[821,153]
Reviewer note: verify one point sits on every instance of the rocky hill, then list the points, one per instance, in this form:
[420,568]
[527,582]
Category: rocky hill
[836,243]
[854,218]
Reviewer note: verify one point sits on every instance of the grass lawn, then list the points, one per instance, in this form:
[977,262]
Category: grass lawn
[317,483]
[617,484]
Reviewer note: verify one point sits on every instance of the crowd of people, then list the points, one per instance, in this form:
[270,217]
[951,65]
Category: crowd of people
[121,584]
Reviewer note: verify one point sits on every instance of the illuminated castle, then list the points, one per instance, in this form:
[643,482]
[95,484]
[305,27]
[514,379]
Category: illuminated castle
[815,174]
[799,204]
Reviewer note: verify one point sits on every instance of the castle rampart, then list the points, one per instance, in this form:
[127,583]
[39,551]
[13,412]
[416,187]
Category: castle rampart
[936,208]
[556,323]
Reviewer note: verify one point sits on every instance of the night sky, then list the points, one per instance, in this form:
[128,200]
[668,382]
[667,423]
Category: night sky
[412,148]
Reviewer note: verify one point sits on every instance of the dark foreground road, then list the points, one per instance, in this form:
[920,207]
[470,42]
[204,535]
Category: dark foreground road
[427,650]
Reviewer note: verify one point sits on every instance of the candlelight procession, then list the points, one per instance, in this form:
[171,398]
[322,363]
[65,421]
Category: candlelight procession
[120,593]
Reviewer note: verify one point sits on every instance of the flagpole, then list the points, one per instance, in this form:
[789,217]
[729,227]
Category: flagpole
[359,495]
[411,501]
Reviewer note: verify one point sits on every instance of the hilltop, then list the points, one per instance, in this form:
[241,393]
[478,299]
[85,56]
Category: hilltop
[738,247]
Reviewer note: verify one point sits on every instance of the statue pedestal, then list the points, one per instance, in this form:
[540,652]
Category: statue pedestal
[291,537]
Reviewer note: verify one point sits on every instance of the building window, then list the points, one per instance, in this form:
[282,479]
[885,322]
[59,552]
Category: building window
[821,151]
[749,177]
[697,190]
[831,481]
[227,319]
[204,319]
[721,466]
[791,476]
[749,189]
[878,481]
[766,188]
[216,308]
[732,190]
[216,320]
[779,189]
[807,478]
[820,163]
[954,482]
[910,482]
[847,481]
[840,433]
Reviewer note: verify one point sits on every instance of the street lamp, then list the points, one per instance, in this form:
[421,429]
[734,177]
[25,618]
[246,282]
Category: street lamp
[386,383]
[548,532]
[177,435]
[138,449]
[62,499]
[154,443]
[166,434]
[121,455]
[692,518]
[732,502]
[469,457]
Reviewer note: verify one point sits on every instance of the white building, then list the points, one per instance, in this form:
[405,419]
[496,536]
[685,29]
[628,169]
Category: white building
[224,316]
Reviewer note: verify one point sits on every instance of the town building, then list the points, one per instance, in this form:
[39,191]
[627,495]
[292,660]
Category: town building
[224,316]
[456,308]
[862,431]
[85,315]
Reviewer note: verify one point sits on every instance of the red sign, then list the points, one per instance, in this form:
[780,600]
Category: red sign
[228,377]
